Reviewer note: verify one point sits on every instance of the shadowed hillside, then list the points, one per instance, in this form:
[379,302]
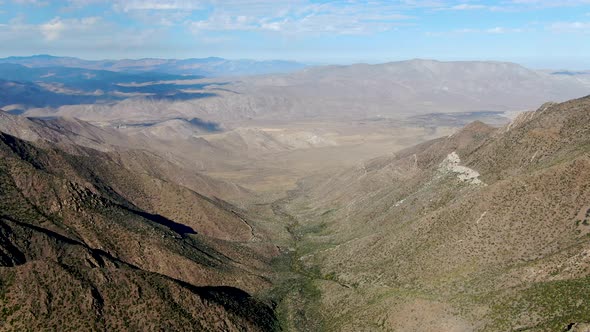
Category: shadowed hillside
[85,245]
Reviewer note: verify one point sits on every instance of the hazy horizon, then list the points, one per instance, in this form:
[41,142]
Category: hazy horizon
[531,63]
[534,33]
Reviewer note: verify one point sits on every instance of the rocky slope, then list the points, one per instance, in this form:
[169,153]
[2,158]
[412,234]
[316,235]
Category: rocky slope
[88,244]
[484,230]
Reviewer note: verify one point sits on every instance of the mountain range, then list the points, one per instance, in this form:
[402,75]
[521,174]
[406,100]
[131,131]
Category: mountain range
[386,91]
[212,66]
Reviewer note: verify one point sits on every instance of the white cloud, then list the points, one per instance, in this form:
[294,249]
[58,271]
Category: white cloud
[569,27]
[54,29]
[551,3]
[131,5]
[31,2]
[513,5]
[500,30]
[494,30]
[466,6]
[472,6]
[162,12]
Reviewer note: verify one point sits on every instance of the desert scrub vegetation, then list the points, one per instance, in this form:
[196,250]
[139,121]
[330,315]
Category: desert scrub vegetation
[546,306]
[296,295]
[297,290]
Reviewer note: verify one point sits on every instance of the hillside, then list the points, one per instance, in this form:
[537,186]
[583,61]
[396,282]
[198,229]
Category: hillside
[141,152]
[109,248]
[485,230]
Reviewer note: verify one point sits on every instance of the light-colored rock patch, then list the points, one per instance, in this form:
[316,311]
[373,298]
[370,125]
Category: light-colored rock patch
[466,174]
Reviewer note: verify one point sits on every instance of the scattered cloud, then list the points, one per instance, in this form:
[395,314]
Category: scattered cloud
[499,30]
[570,27]
[494,30]
[467,6]
[93,33]
[473,7]
[550,3]
[132,5]
[513,5]
[204,26]
[53,29]
[342,18]
[31,2]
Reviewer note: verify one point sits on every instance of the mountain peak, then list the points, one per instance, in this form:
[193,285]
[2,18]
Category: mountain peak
[478,127]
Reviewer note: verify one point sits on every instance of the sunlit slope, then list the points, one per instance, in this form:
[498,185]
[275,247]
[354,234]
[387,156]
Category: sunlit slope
[486,229]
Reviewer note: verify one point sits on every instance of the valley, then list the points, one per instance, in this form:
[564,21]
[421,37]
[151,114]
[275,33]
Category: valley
[435,251]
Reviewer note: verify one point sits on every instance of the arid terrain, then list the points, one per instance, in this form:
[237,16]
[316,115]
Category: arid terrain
[407,196]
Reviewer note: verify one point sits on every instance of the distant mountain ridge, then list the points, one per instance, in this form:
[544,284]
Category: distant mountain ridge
[80,77]
[211,66]
[55,86]
[389,90]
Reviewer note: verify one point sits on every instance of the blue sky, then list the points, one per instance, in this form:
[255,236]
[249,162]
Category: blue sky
[537,33]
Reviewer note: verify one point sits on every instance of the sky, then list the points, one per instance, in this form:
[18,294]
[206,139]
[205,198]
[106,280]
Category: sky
[536,33]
